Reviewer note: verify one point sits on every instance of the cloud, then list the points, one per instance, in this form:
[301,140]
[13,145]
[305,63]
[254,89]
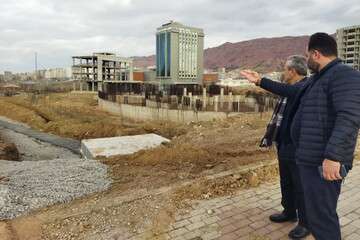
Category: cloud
[59,29]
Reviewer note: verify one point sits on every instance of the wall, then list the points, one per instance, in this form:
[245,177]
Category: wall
[209,78]
[139,76]
[225,103]
[147,113]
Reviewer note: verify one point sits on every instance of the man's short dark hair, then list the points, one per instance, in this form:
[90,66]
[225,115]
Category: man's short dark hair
[324,43]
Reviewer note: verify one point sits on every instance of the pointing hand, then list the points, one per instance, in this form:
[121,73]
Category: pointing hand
[251,76]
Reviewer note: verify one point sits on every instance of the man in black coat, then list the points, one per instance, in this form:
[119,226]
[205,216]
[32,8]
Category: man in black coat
[292,200]
[325,129]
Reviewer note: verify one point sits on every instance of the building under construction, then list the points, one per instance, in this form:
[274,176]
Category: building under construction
[101,69]
[179,67]
[348,40]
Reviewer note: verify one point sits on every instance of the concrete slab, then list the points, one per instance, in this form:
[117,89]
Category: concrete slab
[92,148]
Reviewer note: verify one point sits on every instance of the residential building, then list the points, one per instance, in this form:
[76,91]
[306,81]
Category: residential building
[58,73]
[348,40]
[8,76]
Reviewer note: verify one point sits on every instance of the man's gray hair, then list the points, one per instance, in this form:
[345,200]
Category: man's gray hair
[298,63]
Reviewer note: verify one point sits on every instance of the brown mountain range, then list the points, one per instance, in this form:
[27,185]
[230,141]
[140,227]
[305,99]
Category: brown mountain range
[263,54]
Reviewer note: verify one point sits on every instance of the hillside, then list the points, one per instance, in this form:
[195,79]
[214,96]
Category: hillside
[263,54]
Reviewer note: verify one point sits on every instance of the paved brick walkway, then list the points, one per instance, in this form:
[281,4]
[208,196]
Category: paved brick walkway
[245,215]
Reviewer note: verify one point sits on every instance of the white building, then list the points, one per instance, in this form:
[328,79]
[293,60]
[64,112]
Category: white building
[179,54]
[230,82]
[58,73]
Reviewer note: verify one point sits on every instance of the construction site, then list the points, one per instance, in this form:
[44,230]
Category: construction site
[119,153]
[51,187]
[41,134]
[177,90]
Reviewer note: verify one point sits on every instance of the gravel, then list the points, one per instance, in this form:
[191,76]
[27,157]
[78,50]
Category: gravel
[51,171]
[31,149]
[21,128]
[32,185]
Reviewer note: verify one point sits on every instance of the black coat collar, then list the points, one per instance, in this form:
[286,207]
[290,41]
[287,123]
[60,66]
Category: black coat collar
[327,67]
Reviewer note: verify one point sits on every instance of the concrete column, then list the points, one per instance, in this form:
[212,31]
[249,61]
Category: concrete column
[191,100]
[222,98]
[230,102]
[238,102]
[81,87]
[74,86]
[185,92]
[256,107]
[204,98]
[267,104]
[216,102]
[194,103]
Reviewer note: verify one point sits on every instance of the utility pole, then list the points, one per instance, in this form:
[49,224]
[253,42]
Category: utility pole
[36,71]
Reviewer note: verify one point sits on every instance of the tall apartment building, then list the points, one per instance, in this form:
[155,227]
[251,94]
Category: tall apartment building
[8,76]
[179,55]
[102,68]
[348,40]
[58,73]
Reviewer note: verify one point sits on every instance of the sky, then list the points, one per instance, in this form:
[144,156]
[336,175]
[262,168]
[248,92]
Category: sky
[57,30]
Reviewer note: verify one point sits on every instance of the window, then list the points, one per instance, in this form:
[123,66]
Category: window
[163,54]
[157,55]
[168,55]
[188,54]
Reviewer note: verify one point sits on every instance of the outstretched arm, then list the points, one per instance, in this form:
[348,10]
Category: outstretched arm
[281,89]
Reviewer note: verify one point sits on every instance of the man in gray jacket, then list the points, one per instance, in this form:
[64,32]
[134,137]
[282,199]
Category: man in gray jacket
[292,196]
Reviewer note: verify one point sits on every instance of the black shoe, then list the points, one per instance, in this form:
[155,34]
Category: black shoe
[299,232]
[282,217]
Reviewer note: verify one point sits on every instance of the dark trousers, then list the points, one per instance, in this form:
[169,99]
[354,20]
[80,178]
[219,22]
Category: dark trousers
[292,193]
[321,199]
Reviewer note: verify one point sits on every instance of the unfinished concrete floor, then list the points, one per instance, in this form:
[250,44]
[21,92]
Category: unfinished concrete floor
[108,147]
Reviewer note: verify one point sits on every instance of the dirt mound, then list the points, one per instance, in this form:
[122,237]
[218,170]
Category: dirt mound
[20,229]
[5,232]
[228,185]
[77,116]
[205,148]
[9,151]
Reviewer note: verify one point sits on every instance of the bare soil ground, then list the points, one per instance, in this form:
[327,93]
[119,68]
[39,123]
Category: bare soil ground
[196,151]
[75,116]
[206,148]
[8,151]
